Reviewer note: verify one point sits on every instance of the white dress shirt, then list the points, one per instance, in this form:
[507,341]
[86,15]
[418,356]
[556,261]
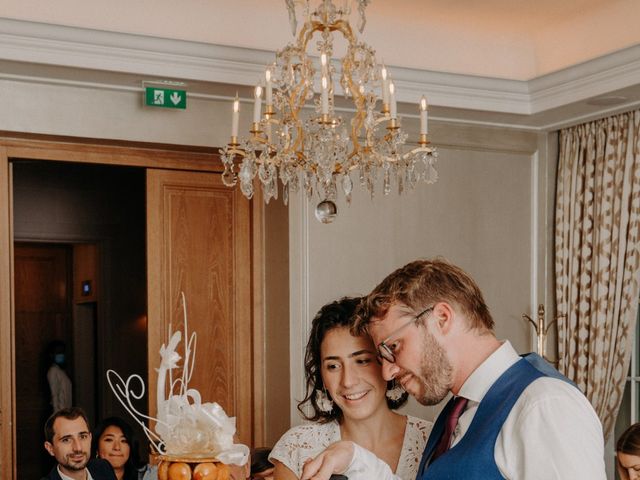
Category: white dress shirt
[552,431]
[60,386]
[66,477]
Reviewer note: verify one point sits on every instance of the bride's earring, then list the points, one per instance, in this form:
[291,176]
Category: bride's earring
[394,394]
[325,404]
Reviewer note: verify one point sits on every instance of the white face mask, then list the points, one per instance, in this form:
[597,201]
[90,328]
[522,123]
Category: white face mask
[59,358]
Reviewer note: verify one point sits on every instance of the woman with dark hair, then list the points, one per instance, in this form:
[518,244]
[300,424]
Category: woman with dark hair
[347,399]
[628,453]
[114,441]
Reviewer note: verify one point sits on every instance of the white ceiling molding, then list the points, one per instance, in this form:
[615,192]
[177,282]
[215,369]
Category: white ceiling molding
[462,91]
[81,48]
[599,76]
[125,53]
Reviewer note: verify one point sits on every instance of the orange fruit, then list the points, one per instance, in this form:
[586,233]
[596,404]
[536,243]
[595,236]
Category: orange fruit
[163,470]
[205,471]
[179,471]
[223,472]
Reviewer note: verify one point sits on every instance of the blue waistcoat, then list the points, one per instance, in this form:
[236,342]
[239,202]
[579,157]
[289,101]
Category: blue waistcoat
[473,456]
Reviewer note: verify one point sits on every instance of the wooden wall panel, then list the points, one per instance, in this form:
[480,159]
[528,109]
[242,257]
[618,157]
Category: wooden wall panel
[7,381]
[199,243]
[43,305]
[248,410]
[85,269]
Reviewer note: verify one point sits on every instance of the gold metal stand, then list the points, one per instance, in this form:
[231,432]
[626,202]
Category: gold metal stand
[542,329]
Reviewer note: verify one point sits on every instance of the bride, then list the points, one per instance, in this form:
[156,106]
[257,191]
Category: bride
[347,399]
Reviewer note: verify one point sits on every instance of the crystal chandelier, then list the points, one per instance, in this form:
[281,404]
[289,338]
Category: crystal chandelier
[318,149]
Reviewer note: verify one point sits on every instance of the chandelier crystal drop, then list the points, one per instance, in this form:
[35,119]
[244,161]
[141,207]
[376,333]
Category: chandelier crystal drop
[317,149]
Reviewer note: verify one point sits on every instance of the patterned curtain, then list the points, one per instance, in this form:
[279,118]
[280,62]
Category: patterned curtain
[597,256]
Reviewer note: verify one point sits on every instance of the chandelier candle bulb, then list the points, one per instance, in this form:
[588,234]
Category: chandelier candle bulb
[323,63]
[392,100]
[269,97]
[257,104]
[325,96]
[235,118]
[424,113]
[385,86]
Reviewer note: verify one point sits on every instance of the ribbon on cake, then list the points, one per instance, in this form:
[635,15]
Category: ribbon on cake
[184,427]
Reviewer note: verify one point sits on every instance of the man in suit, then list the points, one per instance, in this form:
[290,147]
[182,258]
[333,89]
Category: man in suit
[68,439]
[509,417]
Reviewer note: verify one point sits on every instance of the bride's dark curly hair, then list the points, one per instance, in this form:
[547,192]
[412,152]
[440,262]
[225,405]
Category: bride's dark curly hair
[336,314]
[629,441]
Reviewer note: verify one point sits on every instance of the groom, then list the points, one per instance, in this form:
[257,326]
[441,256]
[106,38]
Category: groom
[509,417]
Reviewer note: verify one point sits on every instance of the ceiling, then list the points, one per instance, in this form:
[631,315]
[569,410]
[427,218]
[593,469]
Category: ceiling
[531,48]
[515,39]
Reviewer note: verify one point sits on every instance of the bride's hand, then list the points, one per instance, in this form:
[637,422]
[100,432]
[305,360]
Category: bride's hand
[335,459]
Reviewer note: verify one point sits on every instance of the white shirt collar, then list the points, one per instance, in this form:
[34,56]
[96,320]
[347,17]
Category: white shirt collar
[66,477]
[479,382]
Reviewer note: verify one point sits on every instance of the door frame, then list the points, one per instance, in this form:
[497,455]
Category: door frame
[15,146]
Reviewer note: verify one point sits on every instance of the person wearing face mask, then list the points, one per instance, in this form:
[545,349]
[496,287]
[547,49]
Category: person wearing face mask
[59,382]
[114,441]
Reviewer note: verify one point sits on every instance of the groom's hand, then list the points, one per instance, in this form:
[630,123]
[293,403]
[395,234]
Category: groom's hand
[335,459]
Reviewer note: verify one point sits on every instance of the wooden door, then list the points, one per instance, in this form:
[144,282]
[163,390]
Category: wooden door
[42,314]
[198,242]
[245,235]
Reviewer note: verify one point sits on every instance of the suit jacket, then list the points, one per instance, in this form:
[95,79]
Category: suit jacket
[99,469]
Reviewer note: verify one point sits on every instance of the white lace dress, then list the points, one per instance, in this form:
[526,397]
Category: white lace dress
[306,441]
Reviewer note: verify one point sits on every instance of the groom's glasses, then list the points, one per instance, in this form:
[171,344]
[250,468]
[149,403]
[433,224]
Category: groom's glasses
[386,348]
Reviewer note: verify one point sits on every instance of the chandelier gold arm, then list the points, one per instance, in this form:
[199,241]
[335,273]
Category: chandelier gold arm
[347,67]
[304,36]
[309,28]
[359,100]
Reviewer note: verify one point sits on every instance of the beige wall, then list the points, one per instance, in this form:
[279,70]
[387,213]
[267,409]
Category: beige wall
[488,213]
[113,112]
[482,214]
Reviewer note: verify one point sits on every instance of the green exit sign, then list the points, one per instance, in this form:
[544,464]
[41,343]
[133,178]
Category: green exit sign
[165,97]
